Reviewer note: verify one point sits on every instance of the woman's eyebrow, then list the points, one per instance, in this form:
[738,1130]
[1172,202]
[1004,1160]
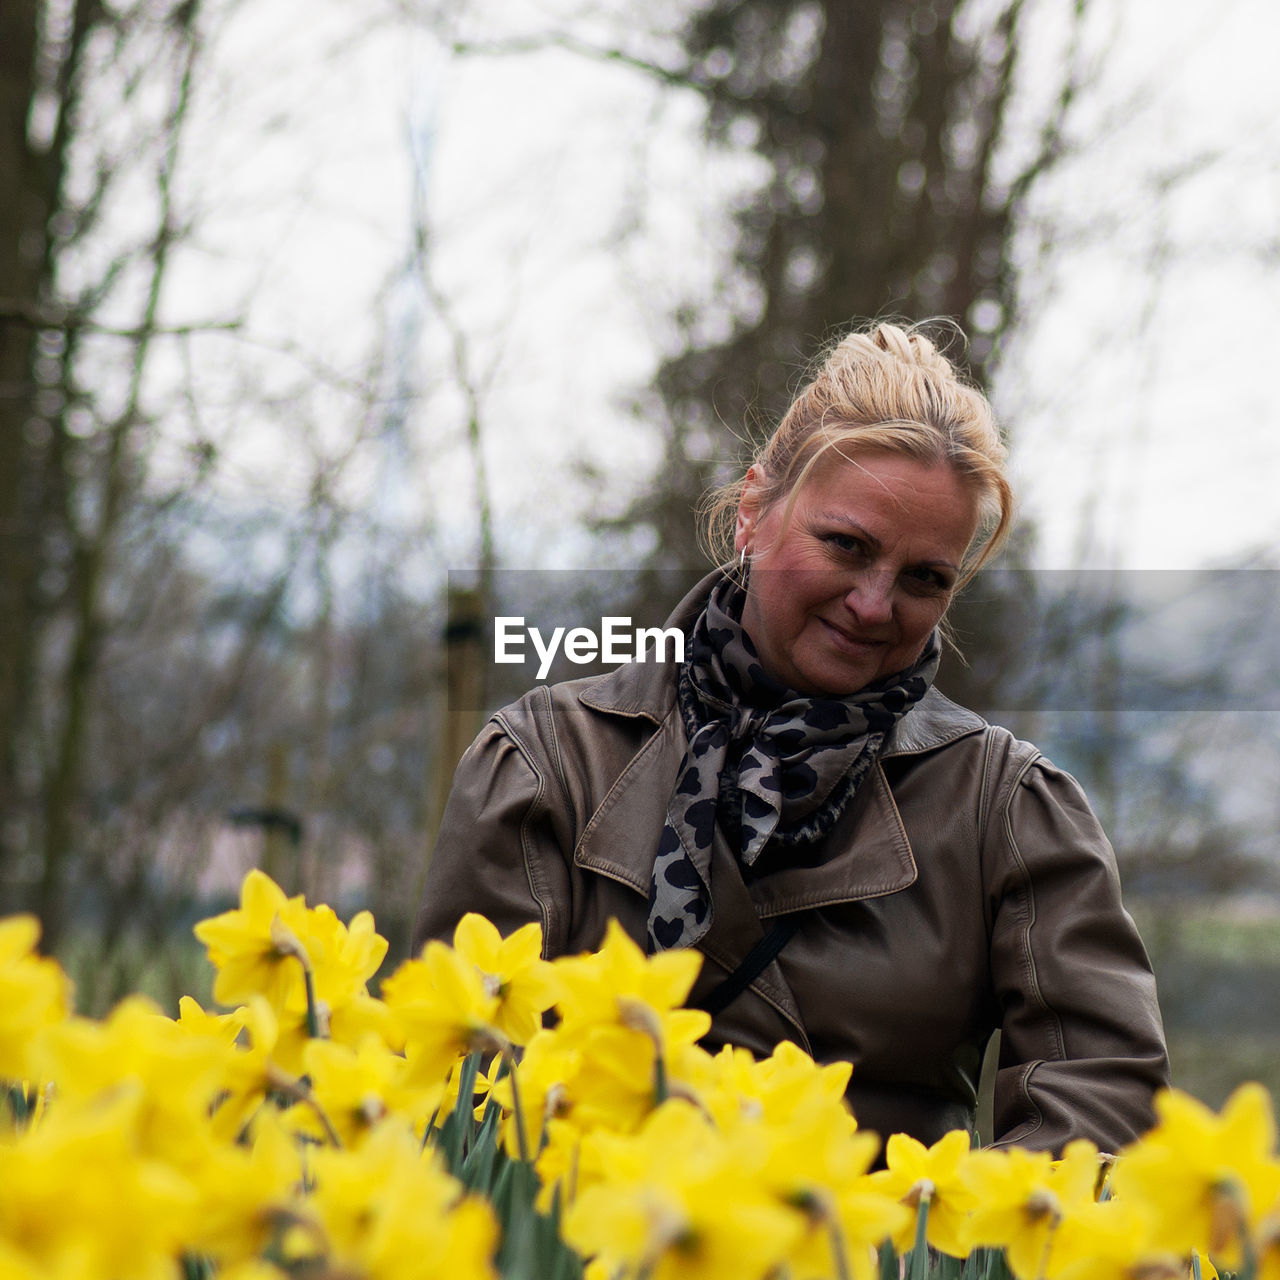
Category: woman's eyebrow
[839,517]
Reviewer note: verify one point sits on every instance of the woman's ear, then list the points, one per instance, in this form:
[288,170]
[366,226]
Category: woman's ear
[748,510]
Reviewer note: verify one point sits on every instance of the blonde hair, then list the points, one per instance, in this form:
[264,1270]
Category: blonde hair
[885,389]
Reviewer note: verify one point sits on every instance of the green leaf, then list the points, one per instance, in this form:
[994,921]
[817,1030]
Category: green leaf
[486,1149]
[458,1130]
[889,1265]
[945,1267]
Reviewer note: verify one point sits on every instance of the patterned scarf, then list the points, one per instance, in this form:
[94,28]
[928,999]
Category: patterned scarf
[773,764]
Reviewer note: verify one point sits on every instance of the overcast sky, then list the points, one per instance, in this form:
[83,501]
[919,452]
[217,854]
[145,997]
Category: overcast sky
[572,205]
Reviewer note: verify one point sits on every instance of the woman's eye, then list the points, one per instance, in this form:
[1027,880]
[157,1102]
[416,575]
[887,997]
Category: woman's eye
[848,543]
[926,579]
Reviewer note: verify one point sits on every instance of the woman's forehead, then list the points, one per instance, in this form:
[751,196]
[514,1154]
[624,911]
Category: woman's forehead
[888,497]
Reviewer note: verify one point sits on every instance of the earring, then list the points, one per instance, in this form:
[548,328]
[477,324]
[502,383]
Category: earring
[742,558]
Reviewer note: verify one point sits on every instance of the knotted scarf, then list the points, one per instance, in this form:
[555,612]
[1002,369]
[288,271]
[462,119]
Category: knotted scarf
[773,764]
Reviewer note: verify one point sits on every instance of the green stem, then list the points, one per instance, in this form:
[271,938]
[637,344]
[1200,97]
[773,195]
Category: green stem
[919,1268]
[1044,1253]
[516,1106]
[660,1090]
[313,1014]
[1249,1259]
[430,1129]
[839,1254]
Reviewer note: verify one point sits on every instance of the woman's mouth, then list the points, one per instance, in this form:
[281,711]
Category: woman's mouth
[852,642]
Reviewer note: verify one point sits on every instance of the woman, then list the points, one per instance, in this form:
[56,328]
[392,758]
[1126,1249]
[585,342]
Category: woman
[868,869]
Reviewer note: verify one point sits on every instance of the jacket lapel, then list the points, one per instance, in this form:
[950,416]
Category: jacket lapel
[620,838]
[619,842]
[872,857]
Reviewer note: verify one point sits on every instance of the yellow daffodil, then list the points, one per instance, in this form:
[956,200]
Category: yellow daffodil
[677,1205]
[444,1010]
[244,1188]
[178,1075]
[546,1075]
[614,1084]
[819,1168]
[1113,1241]
[251,1071]
[354,1089]
[1023,1199]
[34,994]
[348,1023]
[780,1089]
[1207,1179]
[619,984]
[560,1163]
[364,1015]
[513,968]
[82,1194]
[343,957]
[199,1023]
[387,1211]
[242,1137]
[273,945]
[936,1174]
[614,1087]
[246,945]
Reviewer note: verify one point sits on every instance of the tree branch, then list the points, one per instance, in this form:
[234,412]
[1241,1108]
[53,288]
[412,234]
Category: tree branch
[51,316]
[572,44]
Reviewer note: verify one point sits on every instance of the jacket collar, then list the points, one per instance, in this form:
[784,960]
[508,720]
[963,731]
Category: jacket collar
[873,854]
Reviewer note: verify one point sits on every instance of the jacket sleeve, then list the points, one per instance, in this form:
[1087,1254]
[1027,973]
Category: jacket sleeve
[1082,1046]
[497,849]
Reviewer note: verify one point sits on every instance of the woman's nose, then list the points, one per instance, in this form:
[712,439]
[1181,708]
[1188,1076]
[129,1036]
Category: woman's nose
[870,598]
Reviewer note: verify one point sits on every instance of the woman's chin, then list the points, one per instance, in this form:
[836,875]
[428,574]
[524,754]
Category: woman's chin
[836,675]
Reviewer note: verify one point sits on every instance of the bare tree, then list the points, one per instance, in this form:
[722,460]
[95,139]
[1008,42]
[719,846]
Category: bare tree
[31,181]
[119,654]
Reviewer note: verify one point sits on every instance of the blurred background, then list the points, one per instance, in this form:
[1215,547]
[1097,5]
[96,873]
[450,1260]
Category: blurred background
[327,328]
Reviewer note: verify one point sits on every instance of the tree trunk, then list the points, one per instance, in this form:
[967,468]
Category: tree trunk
[24,211]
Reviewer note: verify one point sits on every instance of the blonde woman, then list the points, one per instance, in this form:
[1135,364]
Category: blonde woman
[868,869]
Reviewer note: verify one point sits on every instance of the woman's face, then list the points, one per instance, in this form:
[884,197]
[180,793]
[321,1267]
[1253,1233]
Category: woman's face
[848,590]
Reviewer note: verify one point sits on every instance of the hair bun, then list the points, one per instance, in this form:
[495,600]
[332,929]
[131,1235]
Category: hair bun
[913,347]
[885,345]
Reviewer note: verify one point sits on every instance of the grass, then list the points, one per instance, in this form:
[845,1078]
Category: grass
[1234,931]
[103,976]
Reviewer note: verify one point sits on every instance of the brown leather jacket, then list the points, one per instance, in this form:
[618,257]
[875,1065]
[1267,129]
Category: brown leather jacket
[968,887]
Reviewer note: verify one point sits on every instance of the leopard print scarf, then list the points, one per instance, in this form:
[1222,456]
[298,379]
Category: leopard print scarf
[773,765]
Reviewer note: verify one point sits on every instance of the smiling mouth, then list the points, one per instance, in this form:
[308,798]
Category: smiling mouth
[852,643]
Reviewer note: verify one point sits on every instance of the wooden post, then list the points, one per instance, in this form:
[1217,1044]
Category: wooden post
[276,845]
[462,708]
